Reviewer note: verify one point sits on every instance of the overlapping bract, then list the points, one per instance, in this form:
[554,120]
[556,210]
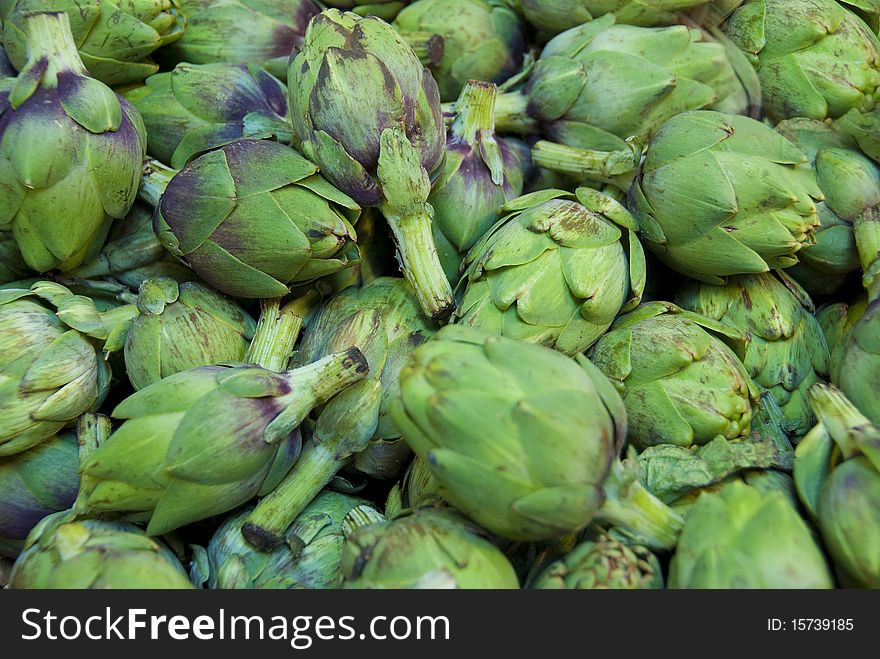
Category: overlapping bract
[554,16]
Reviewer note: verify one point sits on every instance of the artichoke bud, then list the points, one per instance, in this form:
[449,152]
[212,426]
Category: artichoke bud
[482,40]
[115,39]
[199,107]
[182,326]
[157,465]
[97,555]
[33,484]
[69,147]
[242,32]
[858,368]
[554,16]
[556,270]
[864,128]
[427,549]
[256,251]
[480,173]
[384,9]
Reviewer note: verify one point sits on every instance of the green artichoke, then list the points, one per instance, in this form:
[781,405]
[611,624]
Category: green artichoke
[864,128]
[95,555]
[837,321]
[598,84]
[837,474]
[785,352]
[368,113]
[417,489]
[426,549]
[253,217]
[680,380]
[384,321]
[858,368]
[69,148]
[34,484]
[602,563]
[556,270]
[482,40]
[203,441]
[751,209]
[311,560]
[554,16]
[115,37]
[181,326]
[12,265]
[814,58]
[480,173]
[851,186]
[521,438]
[741,537]
[384,9]
[198,107]
[261,32]
[51,364]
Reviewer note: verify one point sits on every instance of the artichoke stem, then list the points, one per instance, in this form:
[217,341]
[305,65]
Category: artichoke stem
[512,114]
[475,110]
[154,179]
[267,524]
[849,428]
[427,46]
[614,167]
[867,233]
[633,508]
[277,331]
[421,265]
[49,36]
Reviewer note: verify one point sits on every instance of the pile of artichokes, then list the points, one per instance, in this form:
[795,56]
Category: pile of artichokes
[564,294]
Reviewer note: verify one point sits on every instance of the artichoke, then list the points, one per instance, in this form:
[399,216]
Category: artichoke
[115,37]
[837,474]
[384,9]
[96,555]
[814,58]
[479,174]
[34,484]
[482,40]
[785,352]
[858,368]
[199,107]
[680,379]
[204,441]
[556,271]
[253,217]
[554,16]
[522,439]
[310,561]
[836,321]
[850,184]
[69,148]
[181,326]
[417,489]
[864,128]
[51,364]
[741,537]
[261,32]
[602,563]
[751,209]
[368,113]
[384,321]
[426,549]
[599,84]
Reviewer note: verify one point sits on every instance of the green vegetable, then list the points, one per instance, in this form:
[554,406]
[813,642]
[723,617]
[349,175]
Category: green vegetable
[93,554]
[600,564]
[814,58]
[482,39]
[181,326]
[369,115]
[427,549]
[69,148]
[680,379]
[556,270]
[751,209]
[253,217]
[417,489]
[864,128]
[837,321]
[480,173]
[858,371]
[785,352]
[115,37]
[52,360]
[199,107]
[261,32]
[384,9]
[741,537]
[554,16]
[310,560]
[523,439]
